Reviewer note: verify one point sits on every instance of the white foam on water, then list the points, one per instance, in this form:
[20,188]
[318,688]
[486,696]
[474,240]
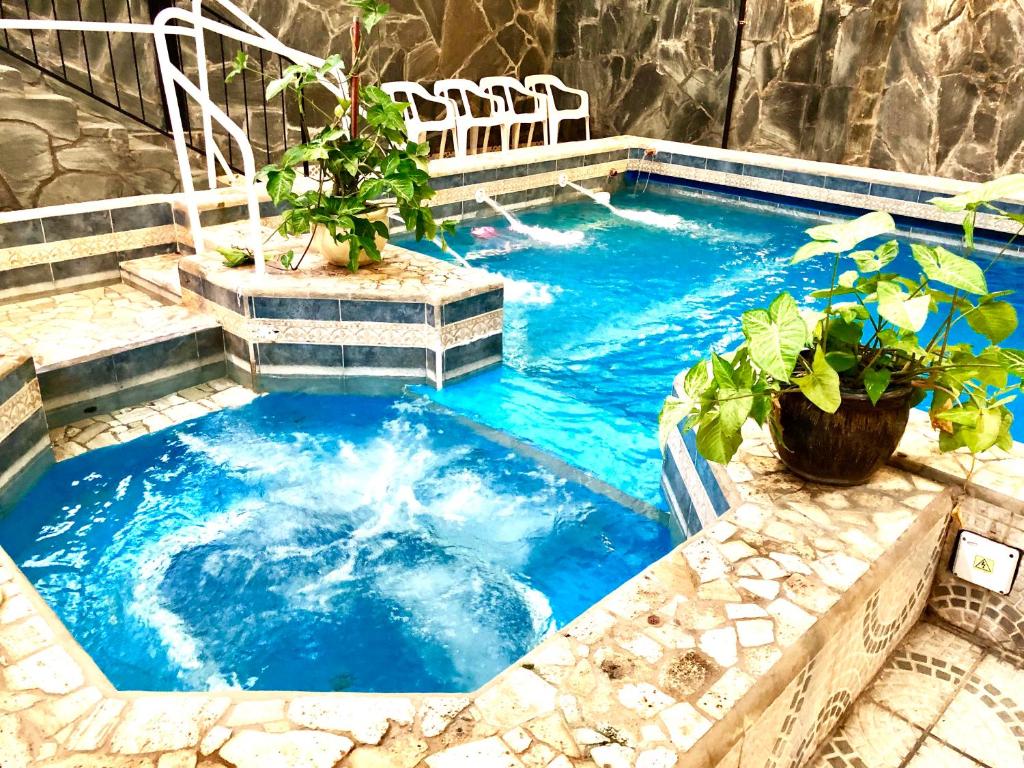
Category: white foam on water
[149,608]
[547,236]
[529,291]
[373,493]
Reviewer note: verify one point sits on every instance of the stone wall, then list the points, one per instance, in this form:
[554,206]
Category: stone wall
[923,86]
[958,63]
[658,69]
[58,146]
[425,40]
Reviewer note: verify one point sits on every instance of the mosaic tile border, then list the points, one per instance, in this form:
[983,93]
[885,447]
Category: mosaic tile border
[25,449]
[329,329]
[940,700]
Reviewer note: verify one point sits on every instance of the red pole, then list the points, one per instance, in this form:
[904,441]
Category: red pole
[354,87]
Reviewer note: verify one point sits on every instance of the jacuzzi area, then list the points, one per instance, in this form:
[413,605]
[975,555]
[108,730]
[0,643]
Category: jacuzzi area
[444,532]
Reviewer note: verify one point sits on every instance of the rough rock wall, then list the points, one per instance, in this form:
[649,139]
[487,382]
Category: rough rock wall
[425,40]
[953,101]
[810,75]
[926,86]
[57,146]
[659,68]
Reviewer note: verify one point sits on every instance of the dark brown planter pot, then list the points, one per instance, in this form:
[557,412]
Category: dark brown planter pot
[845,447]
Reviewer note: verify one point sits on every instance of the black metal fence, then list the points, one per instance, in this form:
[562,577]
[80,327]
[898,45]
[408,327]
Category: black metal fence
[120,71]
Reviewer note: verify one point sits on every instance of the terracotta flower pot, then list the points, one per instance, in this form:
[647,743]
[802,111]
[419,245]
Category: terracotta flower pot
[845,447]
[338,253]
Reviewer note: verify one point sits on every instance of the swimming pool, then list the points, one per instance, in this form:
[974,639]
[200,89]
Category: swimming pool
[595,333]
[358,543]
[313,542]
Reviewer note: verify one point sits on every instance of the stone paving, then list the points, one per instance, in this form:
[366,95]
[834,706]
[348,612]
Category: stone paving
[941,701]
[128,423]
[76,326]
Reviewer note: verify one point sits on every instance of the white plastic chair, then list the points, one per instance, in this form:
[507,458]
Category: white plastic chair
[548,86]
[507,89]
[467,122]
[415,125]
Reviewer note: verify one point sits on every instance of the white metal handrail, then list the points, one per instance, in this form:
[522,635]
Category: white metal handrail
[178,22]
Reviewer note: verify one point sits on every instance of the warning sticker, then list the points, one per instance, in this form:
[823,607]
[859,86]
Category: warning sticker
[984,564]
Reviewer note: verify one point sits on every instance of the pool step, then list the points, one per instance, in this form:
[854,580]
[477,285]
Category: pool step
[101,349]
[155,275]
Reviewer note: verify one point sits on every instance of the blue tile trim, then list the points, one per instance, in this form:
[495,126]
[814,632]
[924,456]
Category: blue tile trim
[472,306]
[706,474]
[807,179]
[15,379]
[689,161]
[895,193]
[762,172]
[847,185]
[21,233]
[725,166]
[270,307]
[905,224]
[384,311]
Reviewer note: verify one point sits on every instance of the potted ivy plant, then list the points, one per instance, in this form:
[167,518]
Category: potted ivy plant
[362,165]
[834,381]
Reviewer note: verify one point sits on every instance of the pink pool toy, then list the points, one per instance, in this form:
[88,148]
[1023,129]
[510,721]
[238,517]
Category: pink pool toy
[484,233]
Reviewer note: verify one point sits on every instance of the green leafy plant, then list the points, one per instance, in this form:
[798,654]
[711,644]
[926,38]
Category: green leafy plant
[865,334]
[360,162]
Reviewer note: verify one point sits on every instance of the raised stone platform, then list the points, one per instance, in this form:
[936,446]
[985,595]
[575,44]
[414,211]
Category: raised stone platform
[407,318]
[105,348]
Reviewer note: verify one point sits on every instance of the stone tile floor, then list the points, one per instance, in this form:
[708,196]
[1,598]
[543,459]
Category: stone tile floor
[128,423]
[941,701]
[75,326]
[159,273]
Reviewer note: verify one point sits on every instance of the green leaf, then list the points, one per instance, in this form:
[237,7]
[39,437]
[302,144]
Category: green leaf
[237,66]
[776,336]
[898,308]
[845,235]
[943,266]
[985,432]
[716,443]
[236,257]
[761,409]
[1007,186]
[280,183]
[841,361]
[965,415]
[812,249]
[969,230]
[734,406]
[845,332]
[697,380]
[995,320]
[876,381]
[722,371]
[673,411]
[821,385]
[274,87]
[881,257]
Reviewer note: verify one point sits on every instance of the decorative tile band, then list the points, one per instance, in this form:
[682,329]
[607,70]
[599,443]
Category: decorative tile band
[531,182]
[835,191]
[24,444]
[696,494]
[19,407]
[299,347]
[92,245]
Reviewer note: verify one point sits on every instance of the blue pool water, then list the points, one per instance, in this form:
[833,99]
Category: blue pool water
[319,543]
[379,544]
[595,333]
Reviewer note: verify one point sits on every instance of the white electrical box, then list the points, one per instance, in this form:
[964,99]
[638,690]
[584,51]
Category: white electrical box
[986,563]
